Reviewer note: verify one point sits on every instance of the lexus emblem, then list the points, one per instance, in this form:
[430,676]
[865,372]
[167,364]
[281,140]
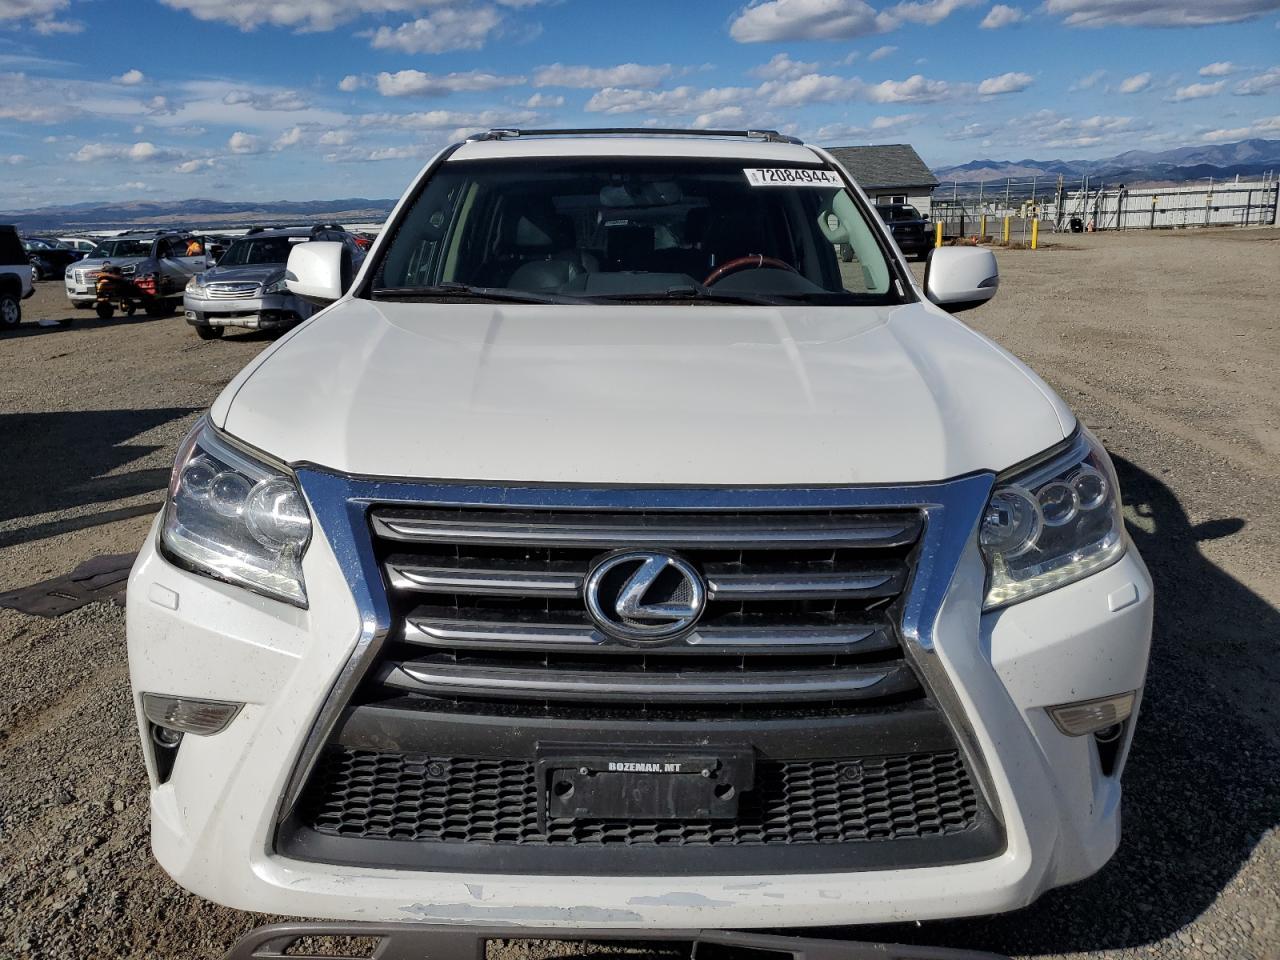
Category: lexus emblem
[644,596]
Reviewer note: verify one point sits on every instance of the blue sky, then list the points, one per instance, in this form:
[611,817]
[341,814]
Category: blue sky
[317,99]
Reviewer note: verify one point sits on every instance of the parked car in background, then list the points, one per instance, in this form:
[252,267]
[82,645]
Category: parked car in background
[49,258]
[910,228]
[15,278]
[246,288]
[82,245]
[157,265]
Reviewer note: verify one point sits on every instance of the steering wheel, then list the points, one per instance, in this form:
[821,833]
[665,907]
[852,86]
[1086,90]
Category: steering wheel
[752,261]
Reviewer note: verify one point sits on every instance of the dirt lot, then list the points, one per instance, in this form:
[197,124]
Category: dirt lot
[1168,345]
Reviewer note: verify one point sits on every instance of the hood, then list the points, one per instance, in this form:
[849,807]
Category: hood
[642,395]
[98,262]
[253,272]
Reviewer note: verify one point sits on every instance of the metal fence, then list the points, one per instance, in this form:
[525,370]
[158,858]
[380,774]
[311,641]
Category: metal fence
[963,208]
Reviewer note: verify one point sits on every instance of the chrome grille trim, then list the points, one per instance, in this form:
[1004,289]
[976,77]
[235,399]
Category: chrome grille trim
[597,687]
[424,629]
[668,532]
[231,290]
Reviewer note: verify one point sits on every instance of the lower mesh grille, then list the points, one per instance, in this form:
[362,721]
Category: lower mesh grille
[363,794]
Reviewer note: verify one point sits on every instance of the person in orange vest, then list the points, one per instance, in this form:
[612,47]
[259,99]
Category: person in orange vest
[194,247]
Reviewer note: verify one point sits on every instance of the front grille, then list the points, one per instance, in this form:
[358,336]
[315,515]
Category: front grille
[82,277]
[231,290]
[370,795]
[801,613]
[490,663]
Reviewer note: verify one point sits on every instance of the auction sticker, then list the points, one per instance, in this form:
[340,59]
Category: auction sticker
[792,177]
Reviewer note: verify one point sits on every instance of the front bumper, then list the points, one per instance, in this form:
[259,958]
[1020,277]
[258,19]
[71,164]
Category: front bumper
[265,312]
[214,820]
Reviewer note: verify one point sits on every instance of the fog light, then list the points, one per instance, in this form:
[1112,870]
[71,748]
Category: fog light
[1087,716]
[189,715]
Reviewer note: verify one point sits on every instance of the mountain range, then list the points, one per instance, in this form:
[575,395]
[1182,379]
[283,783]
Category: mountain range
[1245,158]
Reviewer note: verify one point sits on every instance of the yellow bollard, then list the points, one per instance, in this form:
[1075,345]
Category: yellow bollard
[982,227]
[1035,234]
[1006,231]
[937,239]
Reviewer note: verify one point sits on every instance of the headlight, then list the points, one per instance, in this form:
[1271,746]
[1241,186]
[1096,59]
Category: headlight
[232,517]
[195,287]
[1055,523]
[277,287]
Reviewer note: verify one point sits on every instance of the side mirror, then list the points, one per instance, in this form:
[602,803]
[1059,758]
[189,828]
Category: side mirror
[319,271]
[960,278]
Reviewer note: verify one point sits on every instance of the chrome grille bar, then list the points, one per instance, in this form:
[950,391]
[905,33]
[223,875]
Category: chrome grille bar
[697,531]
[445,679]
[446,629]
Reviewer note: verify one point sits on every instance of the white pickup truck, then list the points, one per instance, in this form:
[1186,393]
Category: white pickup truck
[607,553]
[15,277]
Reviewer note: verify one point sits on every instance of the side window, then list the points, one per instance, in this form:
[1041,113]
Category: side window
[164,250]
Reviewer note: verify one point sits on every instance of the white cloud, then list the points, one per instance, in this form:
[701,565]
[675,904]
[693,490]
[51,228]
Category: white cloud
[896,123]
[350,83]
[143,151]
[930,11]
[1266,127]
[303,15]
[723,117]
[1089,80]
[1198,91]
[970,131]
[447,119]
[195,166]
[51,28]
[1256,86]
[811,88]
[1157,13]
[265,99]
[335,138]
[782,67]
[290,138]
[130,78]
[1135,84]
[879,53]
[1220,69]
[914,89]
[244,143]
[765,21]
[441,30]
[13,159]
[622,75]
[38,10]
[415,83]
[683,100]
[1052,130]
[1002,16]
[1005,83]
[541,101]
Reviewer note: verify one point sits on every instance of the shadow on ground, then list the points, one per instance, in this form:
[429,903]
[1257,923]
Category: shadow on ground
[59,461]
[1202,785]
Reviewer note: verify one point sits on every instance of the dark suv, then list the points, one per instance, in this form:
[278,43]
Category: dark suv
[910,228]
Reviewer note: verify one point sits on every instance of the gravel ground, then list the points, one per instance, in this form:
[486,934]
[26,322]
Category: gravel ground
[1167,344]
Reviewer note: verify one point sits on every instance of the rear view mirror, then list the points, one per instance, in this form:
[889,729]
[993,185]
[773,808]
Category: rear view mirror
[960,278]
[319,271]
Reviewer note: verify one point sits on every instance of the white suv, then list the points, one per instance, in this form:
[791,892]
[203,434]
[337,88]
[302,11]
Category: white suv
[608,551]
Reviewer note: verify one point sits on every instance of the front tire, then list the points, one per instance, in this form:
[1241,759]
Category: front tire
[10,311]
[206,332]
[105,311]
[36,275]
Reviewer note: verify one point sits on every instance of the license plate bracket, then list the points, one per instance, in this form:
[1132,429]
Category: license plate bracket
[628,782]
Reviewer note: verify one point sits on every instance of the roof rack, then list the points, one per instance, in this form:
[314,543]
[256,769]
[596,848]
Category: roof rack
[506,133]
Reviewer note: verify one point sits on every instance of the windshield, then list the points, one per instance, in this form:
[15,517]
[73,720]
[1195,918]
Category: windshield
[108,249]
[612,228]
[899,213]
[248,251]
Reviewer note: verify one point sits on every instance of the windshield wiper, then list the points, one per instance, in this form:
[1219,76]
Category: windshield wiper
[699,294]
[467,291]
